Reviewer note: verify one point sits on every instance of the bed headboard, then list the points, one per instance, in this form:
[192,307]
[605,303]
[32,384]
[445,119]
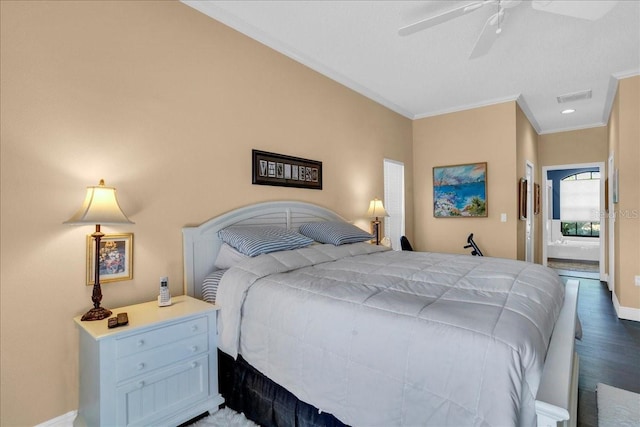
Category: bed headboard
[201,244]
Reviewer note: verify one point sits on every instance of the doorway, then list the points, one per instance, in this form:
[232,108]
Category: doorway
[529,219]
[573,231]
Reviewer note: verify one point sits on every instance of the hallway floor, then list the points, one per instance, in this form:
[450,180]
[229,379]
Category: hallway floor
[609,350]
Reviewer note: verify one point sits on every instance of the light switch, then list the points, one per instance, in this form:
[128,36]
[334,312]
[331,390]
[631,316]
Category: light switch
[503,217]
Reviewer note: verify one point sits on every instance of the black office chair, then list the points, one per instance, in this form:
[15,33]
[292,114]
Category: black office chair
[404,244]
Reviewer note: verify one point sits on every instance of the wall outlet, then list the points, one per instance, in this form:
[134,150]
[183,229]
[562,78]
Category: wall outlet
[637,280]
[503,217]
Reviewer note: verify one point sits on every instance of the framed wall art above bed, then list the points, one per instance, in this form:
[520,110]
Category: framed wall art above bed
[285,171]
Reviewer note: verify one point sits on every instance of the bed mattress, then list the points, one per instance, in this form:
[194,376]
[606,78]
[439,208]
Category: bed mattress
[378,337]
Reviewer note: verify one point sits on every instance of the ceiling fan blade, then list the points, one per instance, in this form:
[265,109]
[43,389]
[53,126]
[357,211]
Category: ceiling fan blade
[442,17]
[488,36]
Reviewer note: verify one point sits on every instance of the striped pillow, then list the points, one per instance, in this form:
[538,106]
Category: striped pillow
[254,241]
[210,286]
[336,233]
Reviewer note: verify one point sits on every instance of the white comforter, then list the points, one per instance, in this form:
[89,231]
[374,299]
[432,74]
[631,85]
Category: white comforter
[383,338]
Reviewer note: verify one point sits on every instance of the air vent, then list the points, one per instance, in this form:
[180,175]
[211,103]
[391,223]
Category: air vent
[576,96]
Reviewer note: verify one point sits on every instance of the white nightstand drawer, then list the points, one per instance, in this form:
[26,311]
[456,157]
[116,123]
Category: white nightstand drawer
[161,336]
[146,400]
[141,363]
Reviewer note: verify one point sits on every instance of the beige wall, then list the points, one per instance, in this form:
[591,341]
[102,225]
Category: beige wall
[569,148]
[485,134]
[527,150]
[624,137]
[165,104]
[572,147]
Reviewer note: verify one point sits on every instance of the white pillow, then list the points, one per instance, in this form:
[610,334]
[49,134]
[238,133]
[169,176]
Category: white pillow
[228,257]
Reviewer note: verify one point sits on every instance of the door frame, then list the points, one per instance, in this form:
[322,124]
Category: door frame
[529,233]
[603,224]
[611,221]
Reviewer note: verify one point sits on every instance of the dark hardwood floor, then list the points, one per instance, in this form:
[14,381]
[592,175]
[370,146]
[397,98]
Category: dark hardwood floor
[609,350]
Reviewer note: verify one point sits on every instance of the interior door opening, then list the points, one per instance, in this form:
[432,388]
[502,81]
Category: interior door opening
[573,219]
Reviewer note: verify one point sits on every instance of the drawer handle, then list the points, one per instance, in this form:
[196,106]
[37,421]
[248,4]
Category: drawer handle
[194,328]
[140,343]
[194,364]
[141,384]
[194,348]
[140,366]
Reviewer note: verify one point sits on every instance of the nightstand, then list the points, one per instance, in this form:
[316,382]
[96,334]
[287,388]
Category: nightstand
[161,369]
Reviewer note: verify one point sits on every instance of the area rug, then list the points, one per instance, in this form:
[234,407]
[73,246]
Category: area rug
[573,265]
[225,417]
[617,407]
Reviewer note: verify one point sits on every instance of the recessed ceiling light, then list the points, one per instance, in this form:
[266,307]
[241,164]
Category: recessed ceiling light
[568,111]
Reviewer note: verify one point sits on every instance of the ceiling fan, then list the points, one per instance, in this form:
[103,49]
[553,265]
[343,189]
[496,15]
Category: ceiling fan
[590,10]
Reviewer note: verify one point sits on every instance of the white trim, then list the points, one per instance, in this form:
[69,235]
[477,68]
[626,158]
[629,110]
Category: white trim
[466,107]
[626,313]
[568,129]
[394,201]
[627,73]
[611,223]
[65,420]
[529,239]
[527,112]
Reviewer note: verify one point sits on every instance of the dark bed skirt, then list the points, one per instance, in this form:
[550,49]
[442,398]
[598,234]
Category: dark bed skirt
[263,401]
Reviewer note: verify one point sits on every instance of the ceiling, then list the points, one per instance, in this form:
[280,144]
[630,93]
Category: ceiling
[537,57]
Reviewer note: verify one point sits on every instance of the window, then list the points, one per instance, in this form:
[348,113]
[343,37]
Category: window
[580,205]
[394,201]
[580,229]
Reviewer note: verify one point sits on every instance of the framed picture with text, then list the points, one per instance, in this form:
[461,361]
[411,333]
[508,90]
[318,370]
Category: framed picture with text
[285,171]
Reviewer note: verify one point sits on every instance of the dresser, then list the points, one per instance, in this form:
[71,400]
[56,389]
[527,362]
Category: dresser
[161,369]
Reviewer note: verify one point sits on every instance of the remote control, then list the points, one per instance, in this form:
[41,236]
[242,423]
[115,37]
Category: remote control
[113,322]
[123,319]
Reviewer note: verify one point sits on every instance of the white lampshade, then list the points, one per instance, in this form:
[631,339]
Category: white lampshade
[100,206]
[376,209]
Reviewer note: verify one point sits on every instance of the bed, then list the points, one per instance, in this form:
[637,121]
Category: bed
[337,349]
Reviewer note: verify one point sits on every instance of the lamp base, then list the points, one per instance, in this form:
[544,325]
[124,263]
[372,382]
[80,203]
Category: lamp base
[375,230]
[97,313]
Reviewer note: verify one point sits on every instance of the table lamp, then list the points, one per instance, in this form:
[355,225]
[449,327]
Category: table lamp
[376,210]
[100,207]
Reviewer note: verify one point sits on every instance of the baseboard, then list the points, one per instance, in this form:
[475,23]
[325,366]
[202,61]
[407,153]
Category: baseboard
[65,420]
[626,313]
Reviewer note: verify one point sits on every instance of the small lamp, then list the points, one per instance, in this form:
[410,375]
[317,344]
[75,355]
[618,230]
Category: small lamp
[376,210]
[100,207]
